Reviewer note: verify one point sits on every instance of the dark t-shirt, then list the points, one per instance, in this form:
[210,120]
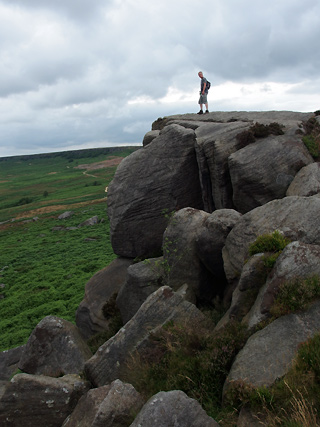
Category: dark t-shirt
[203,81]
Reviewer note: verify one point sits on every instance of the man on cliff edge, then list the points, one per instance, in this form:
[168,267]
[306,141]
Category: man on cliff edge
[203,93]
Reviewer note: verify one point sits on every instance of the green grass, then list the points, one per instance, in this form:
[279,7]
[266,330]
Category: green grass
[45,271]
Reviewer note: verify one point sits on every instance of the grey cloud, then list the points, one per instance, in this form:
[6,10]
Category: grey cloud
[71,69]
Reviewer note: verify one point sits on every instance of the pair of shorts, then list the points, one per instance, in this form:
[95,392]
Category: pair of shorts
[203,99]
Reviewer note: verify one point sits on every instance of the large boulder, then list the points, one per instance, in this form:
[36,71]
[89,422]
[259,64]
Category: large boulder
[263,171]
[297,217]
[101,291]
[183,265]
[217,140]
[54,348]
[173,408]
[306,182]
[107,406]
[269,353]
[297,261]
[9,362]
[37,400]
[143,279]
[112,358]
[162,176]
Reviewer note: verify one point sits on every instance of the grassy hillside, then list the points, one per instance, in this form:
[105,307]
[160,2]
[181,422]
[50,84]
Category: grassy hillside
[43,270]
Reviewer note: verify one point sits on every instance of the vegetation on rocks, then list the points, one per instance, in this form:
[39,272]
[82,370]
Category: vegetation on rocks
[295,399]
[272,243]
[295,295]
[258,130]
[189,358]
[311,139]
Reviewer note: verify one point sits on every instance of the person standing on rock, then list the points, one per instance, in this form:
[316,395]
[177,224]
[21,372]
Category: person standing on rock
[203,93]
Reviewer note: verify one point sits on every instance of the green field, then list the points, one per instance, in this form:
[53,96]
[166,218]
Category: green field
[44,271]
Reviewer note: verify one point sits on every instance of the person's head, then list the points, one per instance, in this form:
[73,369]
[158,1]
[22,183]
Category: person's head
[200,74]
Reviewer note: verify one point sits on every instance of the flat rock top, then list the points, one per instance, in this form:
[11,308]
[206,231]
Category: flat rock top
[229,116]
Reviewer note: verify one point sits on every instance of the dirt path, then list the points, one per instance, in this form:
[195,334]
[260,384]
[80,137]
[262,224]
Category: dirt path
[115,161]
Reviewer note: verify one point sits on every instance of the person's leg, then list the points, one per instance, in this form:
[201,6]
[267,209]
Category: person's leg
[201,104]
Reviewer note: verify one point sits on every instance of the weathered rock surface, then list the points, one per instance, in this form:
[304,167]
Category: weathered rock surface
[112,358]
[54,348]
[258,364]
[183,264]
[297,261]
[252,278]
[99,291]
[215,143]
[296,217]
[143,279]
[306,182]
[9,362]
[210,241]
[163,175]
[173,408]
[107,406]
[149,137]
[37,400]
[263,171]
[201,163]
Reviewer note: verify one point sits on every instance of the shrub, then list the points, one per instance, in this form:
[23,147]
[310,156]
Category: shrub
[189,358]
[24,201]
[258,130]
[272,242]
[311,137]
[312,145]
[295,295]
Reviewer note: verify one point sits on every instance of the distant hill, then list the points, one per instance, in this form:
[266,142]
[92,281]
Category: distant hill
[72,154]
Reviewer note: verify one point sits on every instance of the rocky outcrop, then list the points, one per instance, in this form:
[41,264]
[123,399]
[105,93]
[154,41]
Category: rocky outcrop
[201,163]
[162,177]
[173,408]
[191,201]
[37,400]
[92,315]
[112,358]
[54,348]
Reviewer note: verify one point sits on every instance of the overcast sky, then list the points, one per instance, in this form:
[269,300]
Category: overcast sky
[92,73]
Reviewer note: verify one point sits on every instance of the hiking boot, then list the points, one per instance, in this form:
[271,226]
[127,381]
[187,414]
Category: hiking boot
[200,112]
[207,111]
